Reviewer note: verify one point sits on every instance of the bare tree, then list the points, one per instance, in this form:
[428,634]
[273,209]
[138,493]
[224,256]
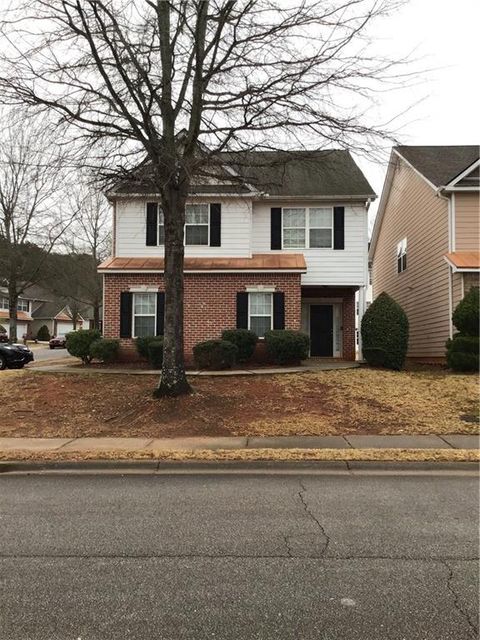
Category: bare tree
[181,82]
[31,220]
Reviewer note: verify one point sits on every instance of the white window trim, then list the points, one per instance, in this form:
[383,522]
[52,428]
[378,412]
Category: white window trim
[143,315]
[307,230]
[202,224]
[401,255]
[257,315]
[261,288]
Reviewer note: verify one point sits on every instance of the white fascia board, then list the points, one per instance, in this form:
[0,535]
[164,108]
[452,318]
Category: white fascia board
[430,184]
[462,175]
[364,199]
[382,204]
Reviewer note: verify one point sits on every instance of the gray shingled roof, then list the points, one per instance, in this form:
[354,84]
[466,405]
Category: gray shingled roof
[440,164]
[279,173]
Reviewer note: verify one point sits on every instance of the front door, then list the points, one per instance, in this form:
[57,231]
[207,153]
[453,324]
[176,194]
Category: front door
[321,330]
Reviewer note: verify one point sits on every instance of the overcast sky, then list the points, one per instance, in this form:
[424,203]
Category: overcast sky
[445,37]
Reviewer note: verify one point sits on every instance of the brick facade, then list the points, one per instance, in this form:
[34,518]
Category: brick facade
[210,301]
[347,296]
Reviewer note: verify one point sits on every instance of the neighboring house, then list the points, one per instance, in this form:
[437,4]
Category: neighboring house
[57,317]
[289,253]
[425,242]
[24,311]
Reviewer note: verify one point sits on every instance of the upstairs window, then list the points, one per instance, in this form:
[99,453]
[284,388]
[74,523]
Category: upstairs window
[308,228]
[294,228]
[4,303]
[196,224]
[23,305]
[321,228]
[402,255]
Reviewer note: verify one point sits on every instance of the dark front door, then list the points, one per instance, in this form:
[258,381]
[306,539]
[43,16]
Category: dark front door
[321,330]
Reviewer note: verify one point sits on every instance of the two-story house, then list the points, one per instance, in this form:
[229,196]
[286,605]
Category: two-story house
[282,245]
[425,246]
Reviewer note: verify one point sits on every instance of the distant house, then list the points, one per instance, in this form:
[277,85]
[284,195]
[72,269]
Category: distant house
[38,307]
[425,245]
[24,313]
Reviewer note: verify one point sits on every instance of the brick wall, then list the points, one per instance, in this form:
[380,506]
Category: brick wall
[210,301]
[347,296]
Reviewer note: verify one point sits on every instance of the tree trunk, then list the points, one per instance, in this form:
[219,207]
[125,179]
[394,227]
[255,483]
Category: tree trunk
[96,315]
[12,310]
[173,381]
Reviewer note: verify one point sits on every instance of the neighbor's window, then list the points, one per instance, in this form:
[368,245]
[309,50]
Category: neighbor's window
[260,312]
[294,228]
[4,303]
[144,314]
[196,224]
[321,227]
[23,305]
[402,255]
[161,227]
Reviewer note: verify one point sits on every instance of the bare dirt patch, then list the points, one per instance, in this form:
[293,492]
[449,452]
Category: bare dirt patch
[361,400]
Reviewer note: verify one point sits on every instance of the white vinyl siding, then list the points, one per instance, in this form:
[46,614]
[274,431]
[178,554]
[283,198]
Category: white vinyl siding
[328,267]
[130,231]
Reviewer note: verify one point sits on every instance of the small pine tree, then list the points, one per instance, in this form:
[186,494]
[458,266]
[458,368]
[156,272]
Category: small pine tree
[385,333]
[43,333]
[466,316]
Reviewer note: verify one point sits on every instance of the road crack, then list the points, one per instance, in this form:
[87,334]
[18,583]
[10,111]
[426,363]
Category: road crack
[456,600]
[311,515]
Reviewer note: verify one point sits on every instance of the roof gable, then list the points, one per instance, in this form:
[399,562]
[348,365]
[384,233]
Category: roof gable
[438,164]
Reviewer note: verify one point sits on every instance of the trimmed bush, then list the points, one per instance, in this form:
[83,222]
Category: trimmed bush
[142,344]
[215,354]
[105,349]
[466,315]
[79,343]
[245,341]
[155,353]
[463,349]
[385,333]
[287,347]
[43,333]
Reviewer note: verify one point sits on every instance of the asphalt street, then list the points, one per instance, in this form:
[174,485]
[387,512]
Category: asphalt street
[174,557]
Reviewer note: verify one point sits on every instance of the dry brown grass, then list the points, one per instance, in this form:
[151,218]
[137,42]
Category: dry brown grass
[399,455]
[352,401]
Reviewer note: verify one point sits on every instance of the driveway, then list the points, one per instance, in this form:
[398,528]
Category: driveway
[234,557]
[43,352]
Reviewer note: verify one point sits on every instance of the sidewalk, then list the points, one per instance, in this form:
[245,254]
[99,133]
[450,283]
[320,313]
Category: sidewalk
[48,367]
[123,445]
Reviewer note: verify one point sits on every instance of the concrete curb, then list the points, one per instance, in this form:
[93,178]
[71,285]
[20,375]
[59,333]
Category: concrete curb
[259,467]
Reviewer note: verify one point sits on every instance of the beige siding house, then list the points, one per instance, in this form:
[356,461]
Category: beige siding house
[425,248]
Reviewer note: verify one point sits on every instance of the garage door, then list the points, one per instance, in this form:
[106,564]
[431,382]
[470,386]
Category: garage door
[64,327]
[21,329]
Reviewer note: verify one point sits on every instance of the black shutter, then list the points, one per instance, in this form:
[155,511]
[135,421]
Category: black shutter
[279,310]
[276,228]
[242,310]
[152,224]
[160,312]
[215,224]
[125,314]
[339,227]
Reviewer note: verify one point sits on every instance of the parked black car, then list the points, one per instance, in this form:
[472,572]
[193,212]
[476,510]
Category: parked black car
[14,356]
